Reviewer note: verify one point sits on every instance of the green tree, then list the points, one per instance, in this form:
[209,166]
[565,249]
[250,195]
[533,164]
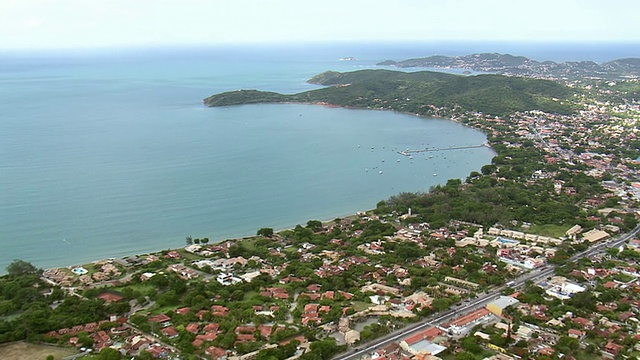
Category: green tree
[583,300]
[488,169]
[21,268]
[408,251]
[109,354]
[464,355]
[567,344]
[266,232]
[85,340]
[470,344]
[145,355]
[314,225]
[168,298]
[440,304]
[322,350]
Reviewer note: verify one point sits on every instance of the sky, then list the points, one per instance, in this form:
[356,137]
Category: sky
[62,24]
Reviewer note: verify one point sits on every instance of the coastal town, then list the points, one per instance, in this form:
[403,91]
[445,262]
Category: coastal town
[506,64]
[535,276]
[306,303]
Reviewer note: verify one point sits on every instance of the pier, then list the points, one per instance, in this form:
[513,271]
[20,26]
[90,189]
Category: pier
[409,152]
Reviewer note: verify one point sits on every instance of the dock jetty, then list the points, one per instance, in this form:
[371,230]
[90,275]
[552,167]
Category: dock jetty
[409,152]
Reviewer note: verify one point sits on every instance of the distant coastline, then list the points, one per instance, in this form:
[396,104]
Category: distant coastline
[506,64]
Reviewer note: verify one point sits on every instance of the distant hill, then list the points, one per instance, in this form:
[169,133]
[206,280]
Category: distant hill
[506,64]
[418,92]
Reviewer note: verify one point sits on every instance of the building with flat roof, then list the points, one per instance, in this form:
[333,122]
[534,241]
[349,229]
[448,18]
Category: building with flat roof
[595,235]
[497,306]
[562,289]
[575,230]
[463,324]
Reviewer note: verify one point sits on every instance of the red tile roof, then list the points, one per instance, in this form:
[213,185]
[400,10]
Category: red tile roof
[193,328]
[110,297]
[169,331]
[211,327]
[160,318]
[428,334]
[183,311]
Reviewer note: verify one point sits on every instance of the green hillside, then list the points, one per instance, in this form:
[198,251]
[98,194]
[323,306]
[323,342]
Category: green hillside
[419,92]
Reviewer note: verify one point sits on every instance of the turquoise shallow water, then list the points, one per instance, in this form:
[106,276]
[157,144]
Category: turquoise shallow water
[105,155]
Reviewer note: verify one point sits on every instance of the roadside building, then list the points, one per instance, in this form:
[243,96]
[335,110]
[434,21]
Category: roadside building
[595,235]
[422,342]
[498,306]
[575,230]
[564,290]
[351,337]
[465,323]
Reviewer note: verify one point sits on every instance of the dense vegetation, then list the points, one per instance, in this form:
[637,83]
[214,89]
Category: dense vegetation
[29,307]
[488,199]
[419,93]
[244,97]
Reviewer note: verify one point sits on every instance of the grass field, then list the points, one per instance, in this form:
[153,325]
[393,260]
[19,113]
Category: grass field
[555,231]
[249,294]
[249,243]
[361,305]
[26,351]
[143,288]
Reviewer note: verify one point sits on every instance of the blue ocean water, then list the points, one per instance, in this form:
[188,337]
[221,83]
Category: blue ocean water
[111,153]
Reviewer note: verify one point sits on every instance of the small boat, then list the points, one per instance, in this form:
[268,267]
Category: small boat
[380,172]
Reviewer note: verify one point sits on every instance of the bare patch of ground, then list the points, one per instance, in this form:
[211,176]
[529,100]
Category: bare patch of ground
[25,351]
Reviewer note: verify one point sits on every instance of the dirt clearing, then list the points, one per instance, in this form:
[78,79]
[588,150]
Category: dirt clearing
[26,351]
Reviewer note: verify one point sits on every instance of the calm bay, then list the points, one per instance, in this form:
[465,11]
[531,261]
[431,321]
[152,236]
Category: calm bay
[106,156]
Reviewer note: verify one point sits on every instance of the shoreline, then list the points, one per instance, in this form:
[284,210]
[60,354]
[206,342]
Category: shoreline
[231,240]
[71,264]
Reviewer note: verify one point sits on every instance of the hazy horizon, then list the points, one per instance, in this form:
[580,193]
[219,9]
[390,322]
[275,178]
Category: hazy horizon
[76,24]
[536,50]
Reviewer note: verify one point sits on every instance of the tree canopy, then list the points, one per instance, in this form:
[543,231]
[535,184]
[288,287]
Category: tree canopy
[21,267]
[413,92]
[266,232]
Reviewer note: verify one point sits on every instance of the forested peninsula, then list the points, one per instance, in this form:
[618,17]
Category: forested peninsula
[539,129]
[424,93]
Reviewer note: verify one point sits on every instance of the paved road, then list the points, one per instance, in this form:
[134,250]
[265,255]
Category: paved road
[481,301]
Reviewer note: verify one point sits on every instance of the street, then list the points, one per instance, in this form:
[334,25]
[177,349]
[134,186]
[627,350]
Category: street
[479,302]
